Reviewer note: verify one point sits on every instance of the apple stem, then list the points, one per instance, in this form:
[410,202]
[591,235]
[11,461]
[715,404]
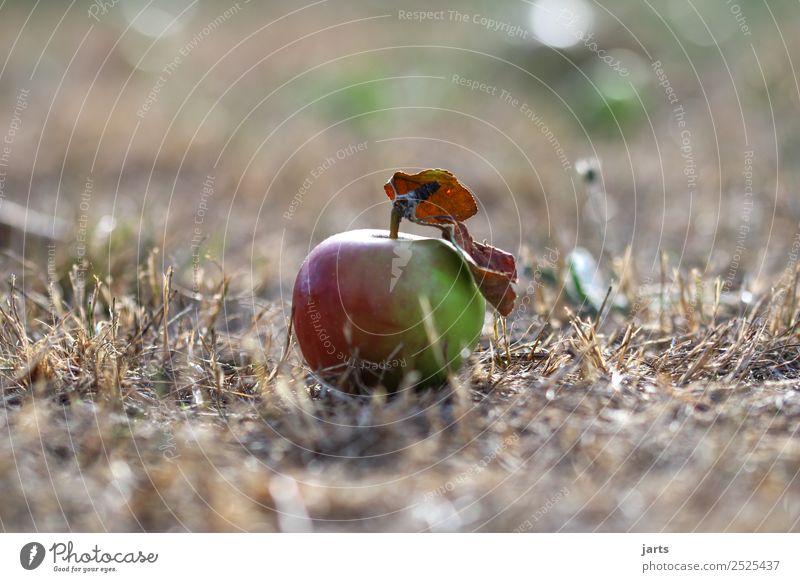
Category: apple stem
[394,224]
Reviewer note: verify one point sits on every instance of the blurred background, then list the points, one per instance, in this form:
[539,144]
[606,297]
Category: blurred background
[242,133]
[232,136]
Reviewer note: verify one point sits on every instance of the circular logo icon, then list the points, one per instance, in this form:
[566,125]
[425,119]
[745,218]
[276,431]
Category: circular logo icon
[31,555]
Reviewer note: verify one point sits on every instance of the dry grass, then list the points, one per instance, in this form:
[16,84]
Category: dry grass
[172,411]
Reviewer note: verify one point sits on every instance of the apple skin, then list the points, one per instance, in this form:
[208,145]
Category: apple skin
[359,298]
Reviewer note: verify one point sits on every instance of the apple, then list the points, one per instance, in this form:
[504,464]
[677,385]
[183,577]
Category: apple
[393,306]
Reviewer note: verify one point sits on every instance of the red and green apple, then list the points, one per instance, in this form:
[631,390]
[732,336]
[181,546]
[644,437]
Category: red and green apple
[390,306]
[396,307]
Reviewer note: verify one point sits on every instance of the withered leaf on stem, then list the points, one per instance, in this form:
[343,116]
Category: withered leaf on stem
[437,198]
[432,196]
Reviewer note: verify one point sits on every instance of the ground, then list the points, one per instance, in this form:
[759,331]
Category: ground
[687,421]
